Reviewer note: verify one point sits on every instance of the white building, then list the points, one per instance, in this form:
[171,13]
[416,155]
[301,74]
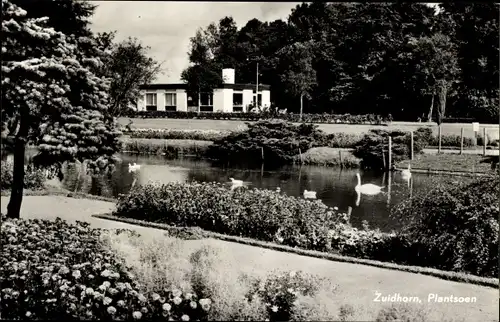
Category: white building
[230,97]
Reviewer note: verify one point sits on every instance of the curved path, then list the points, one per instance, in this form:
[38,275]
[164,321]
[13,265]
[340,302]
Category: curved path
[357,283]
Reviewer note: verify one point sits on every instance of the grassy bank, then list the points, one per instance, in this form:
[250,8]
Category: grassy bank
[168,148]
[451,163]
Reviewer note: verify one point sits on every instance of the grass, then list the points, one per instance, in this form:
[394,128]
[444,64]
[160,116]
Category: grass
[226,269]
[450,163]
[223,125]
[324,156]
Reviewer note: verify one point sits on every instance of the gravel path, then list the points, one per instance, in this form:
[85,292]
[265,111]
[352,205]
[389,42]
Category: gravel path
[358,283]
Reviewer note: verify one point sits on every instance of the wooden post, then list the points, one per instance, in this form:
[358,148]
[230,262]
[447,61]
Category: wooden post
[390,154]
[262,152]
[300,154]
[461,140]
[411,147]
[340,157]
[484,141]
[389,188]
[349,211]
[439,138]
[383,158]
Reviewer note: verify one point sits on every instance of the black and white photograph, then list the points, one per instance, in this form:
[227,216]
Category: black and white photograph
[249,161]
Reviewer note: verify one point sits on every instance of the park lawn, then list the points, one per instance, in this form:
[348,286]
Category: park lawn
[450,162]
[231,125]
[349,283]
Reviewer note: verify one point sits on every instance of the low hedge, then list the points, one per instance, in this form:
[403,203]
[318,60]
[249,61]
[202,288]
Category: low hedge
[270,216]
[308,118]
[198,135]
[52,270]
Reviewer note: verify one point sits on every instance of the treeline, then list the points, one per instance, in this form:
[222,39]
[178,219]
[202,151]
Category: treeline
[403,59]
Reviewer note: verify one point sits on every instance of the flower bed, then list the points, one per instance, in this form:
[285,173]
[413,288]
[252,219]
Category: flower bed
[308,118]
[53,270]
[270,216]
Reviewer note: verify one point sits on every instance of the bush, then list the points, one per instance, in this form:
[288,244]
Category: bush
[53,270]
[280,141]
[33,179]
[307,118]
[455,227]
[373,147]
[261,214]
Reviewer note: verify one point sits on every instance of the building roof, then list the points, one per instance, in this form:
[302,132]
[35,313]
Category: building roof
[238,87]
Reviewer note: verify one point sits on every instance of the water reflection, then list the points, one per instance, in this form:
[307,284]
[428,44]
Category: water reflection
[334,186]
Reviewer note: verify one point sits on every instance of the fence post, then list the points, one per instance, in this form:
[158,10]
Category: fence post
[484,141]
[262,152]
[411,147]
[300,154]
[439,138]
[383,158]
[461,140]
[340,157]
[390,154]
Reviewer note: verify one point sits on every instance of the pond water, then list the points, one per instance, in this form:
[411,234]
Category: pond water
[334,186]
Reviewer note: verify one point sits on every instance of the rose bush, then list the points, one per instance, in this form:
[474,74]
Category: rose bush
[54,270]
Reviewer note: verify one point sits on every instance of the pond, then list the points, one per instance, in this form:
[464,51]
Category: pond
[334,186]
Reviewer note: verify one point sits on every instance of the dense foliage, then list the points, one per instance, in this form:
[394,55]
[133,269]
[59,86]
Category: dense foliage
[307,118]
[53,95]
[261,214]
[52,270]
[403,59]
[198,135]
[34,178]
[458,225]
[276,141]
[270,216]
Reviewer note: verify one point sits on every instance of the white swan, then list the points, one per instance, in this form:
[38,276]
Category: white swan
[236,183]
[133,167]
[309,194]
[406,174]
[368,188]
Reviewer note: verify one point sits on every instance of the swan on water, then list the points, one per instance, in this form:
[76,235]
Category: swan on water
[367,188]
[133,167]
[309,194]
[406,174]
[236,183]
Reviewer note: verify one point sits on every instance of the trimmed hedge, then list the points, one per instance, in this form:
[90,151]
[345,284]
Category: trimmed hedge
[33,179]
[307,118]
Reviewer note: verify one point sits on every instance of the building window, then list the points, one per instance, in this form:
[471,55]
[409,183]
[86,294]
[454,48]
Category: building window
[206,102]
[171,102]
[237,102]
[260,99]
[151,102]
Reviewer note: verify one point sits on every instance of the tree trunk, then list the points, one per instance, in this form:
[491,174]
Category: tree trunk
[16,194]
[442,93]
[301,105]
[429,116]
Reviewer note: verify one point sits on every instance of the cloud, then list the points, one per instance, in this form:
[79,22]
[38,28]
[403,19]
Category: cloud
[167,26]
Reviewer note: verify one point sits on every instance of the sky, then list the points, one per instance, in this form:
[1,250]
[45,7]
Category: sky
[167,26]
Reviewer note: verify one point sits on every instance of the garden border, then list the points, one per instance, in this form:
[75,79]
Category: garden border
[450,276]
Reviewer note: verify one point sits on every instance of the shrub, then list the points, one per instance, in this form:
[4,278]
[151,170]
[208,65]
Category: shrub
[373,147]
[261,214]
[33,178]
[53,270]
[455,227]
[280,141]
